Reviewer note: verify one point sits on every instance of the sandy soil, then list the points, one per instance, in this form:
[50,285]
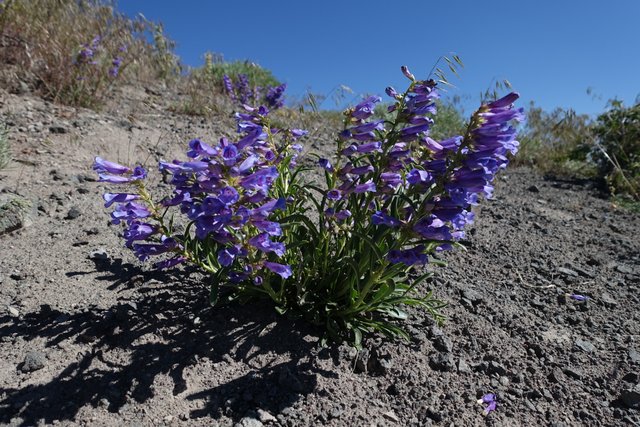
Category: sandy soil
[89,336]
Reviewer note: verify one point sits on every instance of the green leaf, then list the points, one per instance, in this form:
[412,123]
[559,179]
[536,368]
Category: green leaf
[214,293]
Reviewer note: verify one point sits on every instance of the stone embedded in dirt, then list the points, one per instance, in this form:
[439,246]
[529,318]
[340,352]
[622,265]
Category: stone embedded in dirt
[442,362]
[391,416]
[33,361]
[533,188]
[73,213]
[15,213]
[98,254]
[58,128]
[631,397]
[266,417]
[463,367]
[584,345]
[13,312]
[248,422]
[607,300]
[443,344]
[634,356]
[567,272]
[631,377]
[624,269]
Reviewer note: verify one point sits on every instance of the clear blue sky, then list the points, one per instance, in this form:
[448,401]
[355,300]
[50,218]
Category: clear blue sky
[551,51]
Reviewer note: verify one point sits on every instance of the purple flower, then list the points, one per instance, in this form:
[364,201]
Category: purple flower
[368,186]
[578,297]
[111,198]
[361,170]
[381,218]
[265,244]
[274,96]
[227,255]
[325,164]
[115,68]
[270,227]
[104,166]
[407,73]
[487,398]
[366,108]
[342,215]
[260,180]
[334,194]
[283,271]
[491,402]
[490,407]
[408,256]
[129,212]
[391,92]
[369,147]
[138,231]
[417,176]
[199,148]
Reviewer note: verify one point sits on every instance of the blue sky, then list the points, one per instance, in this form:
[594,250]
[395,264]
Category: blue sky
[551,51]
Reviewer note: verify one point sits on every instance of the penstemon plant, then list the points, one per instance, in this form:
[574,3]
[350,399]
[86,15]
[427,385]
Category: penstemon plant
[347,255]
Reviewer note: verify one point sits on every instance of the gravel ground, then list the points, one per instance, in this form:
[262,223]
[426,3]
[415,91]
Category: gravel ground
[88,336]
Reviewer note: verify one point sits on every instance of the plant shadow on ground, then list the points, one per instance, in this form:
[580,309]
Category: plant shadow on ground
[155,333]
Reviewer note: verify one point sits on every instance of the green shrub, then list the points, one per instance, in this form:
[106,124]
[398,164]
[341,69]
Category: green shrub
[617,153]
[559,143]
[76,52]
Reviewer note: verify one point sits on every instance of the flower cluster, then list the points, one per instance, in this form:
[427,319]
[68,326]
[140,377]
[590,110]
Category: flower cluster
[88,52]
[439,181]
[243,93]
[393,197]
[226,193]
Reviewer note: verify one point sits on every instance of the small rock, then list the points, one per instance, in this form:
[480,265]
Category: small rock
[33,361]
[442,362]
[634,356]
[58,128]
[624,269]
[608,300]
[73,213]
[584,345]
[567,272]
[266,417]
[391,416]
[99,254]
[443,344]
[13,312]
[15,212]
[463,367]
[631,397]
[556,376]
[533,189]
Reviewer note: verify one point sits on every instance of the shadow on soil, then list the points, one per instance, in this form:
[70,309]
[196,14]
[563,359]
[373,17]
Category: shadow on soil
[127,346]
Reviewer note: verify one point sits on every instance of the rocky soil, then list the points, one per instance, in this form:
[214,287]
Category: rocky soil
[89,336]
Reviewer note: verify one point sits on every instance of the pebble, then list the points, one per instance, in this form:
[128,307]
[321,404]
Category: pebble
[463,367]
[73,213]
[13,312]
[631,397]
[624,269]
[443,344]
[248,422]
[266,417]
[391,416]
[584,345]
[58,128]
[98,254]
[634,356]
[567,272]
[33,361]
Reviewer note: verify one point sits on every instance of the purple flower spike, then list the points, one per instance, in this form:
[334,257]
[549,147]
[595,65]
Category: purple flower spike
[283,271]
[365,109]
